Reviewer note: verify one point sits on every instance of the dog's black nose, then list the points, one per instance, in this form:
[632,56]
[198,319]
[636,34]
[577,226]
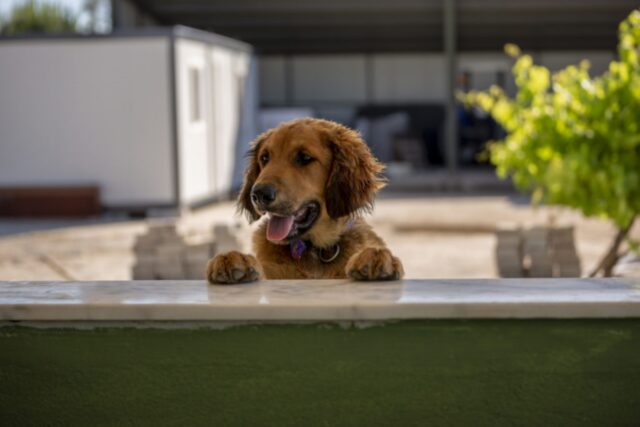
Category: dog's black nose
[262,195]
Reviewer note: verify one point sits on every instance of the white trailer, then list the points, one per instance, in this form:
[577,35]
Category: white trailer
[156,118]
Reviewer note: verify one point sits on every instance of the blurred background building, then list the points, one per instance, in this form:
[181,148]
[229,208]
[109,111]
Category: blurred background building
[164,124]
[148,118]
[147,107]
[390,67]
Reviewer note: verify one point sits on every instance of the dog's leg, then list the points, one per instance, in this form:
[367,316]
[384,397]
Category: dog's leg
[374,264]
[233,267]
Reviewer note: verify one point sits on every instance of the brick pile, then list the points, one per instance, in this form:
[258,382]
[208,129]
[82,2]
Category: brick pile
[536,251]
[162,253]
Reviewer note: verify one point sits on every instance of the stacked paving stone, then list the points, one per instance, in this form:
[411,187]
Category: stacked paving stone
[196,255]
[225,238]
[536,252]
[509,251]
[163,254]
[563,252]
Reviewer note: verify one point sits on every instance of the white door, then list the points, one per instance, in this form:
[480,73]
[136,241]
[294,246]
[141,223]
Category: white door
[194,121]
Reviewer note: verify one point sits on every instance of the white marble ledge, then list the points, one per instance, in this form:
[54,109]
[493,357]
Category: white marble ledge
[322,300]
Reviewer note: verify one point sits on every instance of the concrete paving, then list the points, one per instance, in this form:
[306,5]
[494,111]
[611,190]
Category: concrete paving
[439,236]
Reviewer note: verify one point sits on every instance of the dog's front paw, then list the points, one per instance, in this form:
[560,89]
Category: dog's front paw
[374,264]
[233,267]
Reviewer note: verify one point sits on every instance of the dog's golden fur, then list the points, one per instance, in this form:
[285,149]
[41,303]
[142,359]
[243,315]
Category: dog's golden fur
[342,177]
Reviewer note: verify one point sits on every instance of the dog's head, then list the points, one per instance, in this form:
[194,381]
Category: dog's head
[309,176]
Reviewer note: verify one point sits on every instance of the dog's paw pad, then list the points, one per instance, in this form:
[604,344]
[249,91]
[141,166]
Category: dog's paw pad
[374,264]
[232,267]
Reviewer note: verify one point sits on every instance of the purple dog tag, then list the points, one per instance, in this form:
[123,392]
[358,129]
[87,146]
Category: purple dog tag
[297,248]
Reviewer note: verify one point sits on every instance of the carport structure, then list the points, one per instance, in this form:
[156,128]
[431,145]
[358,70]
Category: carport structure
[449,27]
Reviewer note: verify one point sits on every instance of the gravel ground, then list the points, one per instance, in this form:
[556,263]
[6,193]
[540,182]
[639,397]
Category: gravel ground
[436,237]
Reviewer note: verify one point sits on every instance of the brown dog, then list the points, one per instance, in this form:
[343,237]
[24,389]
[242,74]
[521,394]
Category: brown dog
[312,178]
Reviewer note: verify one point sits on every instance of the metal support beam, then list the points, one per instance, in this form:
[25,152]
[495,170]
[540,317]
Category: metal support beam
[451,128]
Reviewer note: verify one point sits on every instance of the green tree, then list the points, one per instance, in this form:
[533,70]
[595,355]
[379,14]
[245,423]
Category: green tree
[38,17]
[574,140]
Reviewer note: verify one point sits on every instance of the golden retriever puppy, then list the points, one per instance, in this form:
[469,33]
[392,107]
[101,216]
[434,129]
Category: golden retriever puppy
[312,179]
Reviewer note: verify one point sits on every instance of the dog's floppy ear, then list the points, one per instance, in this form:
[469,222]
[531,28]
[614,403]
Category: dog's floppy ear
[355,174]
[251,173]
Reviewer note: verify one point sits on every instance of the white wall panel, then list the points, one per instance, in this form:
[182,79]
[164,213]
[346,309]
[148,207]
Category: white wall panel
[557,60]
[229,74]
[401,78]
[331,78]
[395,78]
[208,146]
[194,133]
[93,111]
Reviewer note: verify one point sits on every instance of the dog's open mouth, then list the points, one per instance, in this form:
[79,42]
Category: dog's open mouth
[282,227]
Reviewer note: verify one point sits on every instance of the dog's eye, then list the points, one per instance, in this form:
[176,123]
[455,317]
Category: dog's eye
[303,158]
[264,158]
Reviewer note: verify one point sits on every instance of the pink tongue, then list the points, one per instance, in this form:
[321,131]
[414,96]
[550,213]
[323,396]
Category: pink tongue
[279,227]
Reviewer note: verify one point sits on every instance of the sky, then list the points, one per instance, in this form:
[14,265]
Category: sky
[75,6]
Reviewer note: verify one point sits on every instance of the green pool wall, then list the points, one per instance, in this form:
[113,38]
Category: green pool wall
[422,373]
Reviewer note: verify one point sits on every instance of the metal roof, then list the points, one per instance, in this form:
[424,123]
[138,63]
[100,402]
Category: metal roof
[177,31]
[335,26]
